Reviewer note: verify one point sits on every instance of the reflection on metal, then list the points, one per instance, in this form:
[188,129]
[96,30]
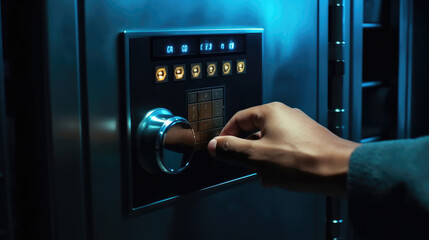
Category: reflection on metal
[371,139]
[235,181]
[166,142]
[372,25]
[371,84]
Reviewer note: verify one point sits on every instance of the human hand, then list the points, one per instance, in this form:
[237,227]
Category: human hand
[286,148]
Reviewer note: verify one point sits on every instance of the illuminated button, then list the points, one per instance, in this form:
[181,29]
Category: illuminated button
[217,108]
[226,68]
[205,125]
[204,96]
[192,112]
[212,69]
[196,70]
[192,97]
[161,74]
[179,72]
[241,66]
[217,93]
[204,110]
[217,122]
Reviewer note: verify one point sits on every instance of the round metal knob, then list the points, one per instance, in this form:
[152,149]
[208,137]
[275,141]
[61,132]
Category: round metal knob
[165,143]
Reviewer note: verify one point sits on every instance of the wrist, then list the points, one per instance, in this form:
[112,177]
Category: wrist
[338,165]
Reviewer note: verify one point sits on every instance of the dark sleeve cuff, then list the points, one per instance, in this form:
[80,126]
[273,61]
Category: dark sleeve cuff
[388,189]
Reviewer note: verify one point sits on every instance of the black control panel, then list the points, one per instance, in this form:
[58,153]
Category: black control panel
[202,76]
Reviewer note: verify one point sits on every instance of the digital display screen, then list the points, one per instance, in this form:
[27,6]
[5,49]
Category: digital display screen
[178,46]
[195,45]
[222,44]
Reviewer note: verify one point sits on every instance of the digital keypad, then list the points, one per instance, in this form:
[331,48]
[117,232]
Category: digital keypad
[206,114]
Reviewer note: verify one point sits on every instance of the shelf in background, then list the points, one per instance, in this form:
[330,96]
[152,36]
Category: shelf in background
[371,84]
[370,139]
[372,25]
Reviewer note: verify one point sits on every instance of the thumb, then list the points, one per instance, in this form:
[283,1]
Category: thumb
[232,149]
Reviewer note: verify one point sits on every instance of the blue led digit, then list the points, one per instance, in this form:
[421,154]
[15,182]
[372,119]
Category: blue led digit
[201,47]
[184,48]
[222,46]
[208,46]
[170,49]
[231,45]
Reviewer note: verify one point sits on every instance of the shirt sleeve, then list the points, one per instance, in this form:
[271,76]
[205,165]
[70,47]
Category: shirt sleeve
[388,189]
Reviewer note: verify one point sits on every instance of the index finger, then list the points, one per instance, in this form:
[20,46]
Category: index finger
[244,121]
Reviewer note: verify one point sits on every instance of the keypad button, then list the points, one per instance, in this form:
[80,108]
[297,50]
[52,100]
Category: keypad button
[217,122]
[205,125]
[204,96]
[204,137]
[213,133]
[217,108]
[192,97]
[192,112]
[205,110]
[217,93]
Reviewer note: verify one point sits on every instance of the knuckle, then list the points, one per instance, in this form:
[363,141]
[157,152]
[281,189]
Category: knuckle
[251,152]
[298,110]
[277,104]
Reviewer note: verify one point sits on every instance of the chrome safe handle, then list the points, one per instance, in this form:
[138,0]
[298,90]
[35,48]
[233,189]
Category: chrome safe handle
[165,143]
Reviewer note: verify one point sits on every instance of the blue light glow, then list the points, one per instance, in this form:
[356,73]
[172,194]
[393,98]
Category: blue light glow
[170,49]
[231,45]
[201,47]
[222,46]
[208,46]
[184,48]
